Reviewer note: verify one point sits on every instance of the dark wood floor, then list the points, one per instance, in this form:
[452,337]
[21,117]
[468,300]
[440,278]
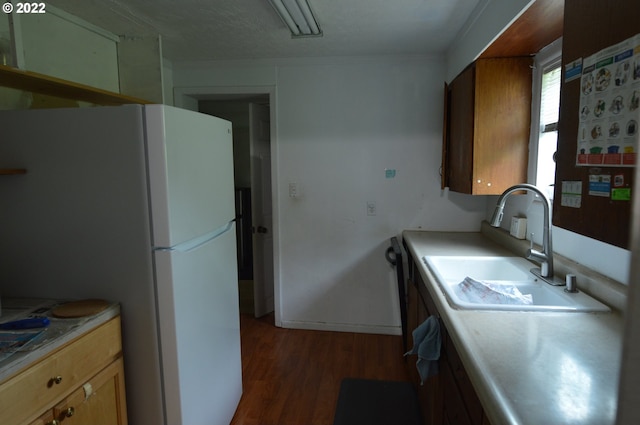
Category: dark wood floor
[292,377]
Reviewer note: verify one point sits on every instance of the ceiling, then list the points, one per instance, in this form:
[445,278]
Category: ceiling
[250,29]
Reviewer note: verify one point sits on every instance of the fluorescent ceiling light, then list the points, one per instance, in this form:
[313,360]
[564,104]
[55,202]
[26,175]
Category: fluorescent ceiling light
[297,15]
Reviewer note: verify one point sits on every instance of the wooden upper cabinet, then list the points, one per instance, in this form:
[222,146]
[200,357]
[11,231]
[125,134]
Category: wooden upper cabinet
[487,126]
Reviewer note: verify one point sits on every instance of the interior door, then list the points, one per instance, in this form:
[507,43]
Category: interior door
[261,216]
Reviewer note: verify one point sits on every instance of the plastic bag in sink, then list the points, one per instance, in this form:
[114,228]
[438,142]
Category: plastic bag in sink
[475,291]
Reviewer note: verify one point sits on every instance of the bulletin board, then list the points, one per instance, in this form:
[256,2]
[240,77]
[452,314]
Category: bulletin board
[591,196]
[610,106]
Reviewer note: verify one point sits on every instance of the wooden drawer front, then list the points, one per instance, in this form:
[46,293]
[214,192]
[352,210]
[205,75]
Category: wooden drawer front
[29,393]
[100,401]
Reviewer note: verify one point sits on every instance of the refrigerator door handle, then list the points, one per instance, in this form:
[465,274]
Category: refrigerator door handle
[197,242]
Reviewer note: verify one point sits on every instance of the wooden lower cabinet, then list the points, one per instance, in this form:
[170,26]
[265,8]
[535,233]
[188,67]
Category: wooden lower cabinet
[80,383]
[100,401]
[449,397]
[460,402]
[454,410]
[429,393]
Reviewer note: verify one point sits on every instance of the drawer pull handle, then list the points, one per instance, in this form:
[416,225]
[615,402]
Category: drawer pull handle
[55,380]
[70,412]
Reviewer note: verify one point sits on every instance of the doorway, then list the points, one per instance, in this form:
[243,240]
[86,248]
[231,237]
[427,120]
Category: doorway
[250,116]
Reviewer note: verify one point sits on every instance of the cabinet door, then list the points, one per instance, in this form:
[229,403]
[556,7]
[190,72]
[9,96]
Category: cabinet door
[444,167]
[455,411]
[459,151]
[464,387]
[488,126]
[98,402]
[502,108]
[429,392]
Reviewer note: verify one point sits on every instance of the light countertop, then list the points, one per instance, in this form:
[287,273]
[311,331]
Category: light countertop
[528,367]
[57,334]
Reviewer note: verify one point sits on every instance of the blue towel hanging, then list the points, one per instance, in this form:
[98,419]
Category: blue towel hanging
[426,344]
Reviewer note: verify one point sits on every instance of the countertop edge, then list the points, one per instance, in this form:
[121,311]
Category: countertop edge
[22,360]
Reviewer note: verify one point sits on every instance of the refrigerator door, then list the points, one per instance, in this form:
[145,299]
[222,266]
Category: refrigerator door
[200,332]
[190,159]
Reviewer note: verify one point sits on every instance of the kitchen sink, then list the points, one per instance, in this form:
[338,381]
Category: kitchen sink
[502,283]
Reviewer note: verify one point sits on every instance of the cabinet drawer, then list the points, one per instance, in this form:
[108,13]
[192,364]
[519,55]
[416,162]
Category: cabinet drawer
[38,387]
[100,401]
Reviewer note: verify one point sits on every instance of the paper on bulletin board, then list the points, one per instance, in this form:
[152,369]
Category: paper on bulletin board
[573,70]
[571,194]
[609,115]
[600,185]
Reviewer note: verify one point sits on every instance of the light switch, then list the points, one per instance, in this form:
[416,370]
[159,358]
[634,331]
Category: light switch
[371,208]
[293,190]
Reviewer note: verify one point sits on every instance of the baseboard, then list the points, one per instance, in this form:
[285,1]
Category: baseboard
[342,327]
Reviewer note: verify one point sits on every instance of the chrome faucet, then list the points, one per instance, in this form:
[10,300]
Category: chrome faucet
[545,258]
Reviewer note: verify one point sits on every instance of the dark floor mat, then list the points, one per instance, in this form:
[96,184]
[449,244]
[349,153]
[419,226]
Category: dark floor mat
[371,402]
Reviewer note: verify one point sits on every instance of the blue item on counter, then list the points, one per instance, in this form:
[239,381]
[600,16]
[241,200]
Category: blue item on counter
[30,323]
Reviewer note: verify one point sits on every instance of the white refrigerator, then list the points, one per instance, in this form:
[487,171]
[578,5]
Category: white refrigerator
[133,204]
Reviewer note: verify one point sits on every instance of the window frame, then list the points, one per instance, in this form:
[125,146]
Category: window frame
[549,57]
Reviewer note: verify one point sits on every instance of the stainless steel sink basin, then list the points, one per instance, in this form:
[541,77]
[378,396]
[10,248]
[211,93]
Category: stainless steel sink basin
[497,275]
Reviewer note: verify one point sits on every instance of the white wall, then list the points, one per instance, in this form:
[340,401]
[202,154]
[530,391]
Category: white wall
[339,124]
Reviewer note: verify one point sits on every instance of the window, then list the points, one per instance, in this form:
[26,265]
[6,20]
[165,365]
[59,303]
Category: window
[545,111]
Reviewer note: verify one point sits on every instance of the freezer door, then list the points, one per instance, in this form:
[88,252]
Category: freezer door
[200,332]
[190,157]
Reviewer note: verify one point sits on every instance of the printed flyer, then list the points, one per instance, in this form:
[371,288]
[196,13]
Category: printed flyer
[610,106]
